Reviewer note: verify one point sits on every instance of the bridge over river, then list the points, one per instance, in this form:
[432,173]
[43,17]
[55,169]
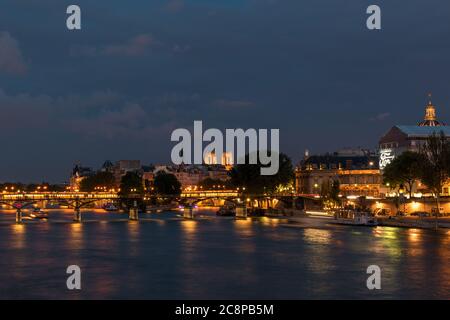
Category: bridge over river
[79,200]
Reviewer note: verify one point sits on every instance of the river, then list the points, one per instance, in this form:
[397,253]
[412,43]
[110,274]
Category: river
[165,257]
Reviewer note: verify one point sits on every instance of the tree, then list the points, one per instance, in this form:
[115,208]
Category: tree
[403,170]
[132,190]
[334,192]
[131,184]
[329,193]
[249,176]
[167,184]
[435,165]
[103,180]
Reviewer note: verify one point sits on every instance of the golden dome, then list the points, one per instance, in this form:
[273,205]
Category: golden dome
[430,116]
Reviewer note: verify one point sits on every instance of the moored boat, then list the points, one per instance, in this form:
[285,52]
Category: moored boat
[355,218]
[110,207]
[38,213]
[226,211]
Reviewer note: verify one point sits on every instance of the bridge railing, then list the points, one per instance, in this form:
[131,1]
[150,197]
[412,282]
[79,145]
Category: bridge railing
[57,195]
[112,195]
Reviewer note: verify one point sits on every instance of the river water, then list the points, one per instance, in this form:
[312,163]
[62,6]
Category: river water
[165,257]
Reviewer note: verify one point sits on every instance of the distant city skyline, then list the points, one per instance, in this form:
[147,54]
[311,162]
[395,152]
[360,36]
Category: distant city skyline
[135,72]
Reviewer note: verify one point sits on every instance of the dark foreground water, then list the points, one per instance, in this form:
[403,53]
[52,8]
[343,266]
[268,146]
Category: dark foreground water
[163,257]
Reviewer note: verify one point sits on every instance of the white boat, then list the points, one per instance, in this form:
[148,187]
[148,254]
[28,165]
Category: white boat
[355,218]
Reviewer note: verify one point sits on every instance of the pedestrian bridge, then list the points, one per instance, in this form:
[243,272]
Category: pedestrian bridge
[57,195]
[18,196]
[78,200]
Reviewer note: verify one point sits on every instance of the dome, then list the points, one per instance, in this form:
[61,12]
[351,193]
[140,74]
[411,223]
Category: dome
[430,117]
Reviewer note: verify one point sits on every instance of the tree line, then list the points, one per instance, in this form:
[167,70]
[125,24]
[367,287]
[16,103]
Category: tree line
[244,176]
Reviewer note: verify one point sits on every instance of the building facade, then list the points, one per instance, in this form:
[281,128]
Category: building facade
[356,170]
[121,168]
[212,159]
[401,138]
[78,174]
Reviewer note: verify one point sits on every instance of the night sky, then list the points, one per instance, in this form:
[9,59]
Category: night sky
[139,69]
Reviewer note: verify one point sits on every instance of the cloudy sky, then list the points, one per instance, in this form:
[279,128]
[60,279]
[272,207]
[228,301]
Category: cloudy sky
[139,69]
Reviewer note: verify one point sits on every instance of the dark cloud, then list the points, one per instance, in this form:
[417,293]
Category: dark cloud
[233,104]
[117,87]
[381,116]
[101,115]
[174,5]
[131,121]
[136,46]
[11,59]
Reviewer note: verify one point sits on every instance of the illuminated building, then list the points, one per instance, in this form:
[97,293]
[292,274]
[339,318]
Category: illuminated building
[192,175]
[356,170]
[211,159]
[430,117]
[406,138]
[148,176]
[78,174]
[401,138]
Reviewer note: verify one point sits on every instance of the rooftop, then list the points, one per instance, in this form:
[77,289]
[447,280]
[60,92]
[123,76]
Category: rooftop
[425,131]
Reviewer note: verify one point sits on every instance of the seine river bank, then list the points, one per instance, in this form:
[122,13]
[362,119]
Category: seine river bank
[163,256]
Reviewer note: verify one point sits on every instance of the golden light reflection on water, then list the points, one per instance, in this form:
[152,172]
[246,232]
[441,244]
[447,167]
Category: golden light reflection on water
[189,240]
[389,241]
[244,227]
[133,228]
[188,254]
[319,255]
[385,232]
[19,236]
[273,222]
[447,239]
[317,236]
[415,235]
[75,238]
[245,232]
[189,227]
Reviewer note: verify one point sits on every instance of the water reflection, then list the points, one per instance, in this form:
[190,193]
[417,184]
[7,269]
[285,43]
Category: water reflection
[317,236]
[188,255]
[387,241]
[273,222]
[244,227]
[18,240]
[415,235]
[189,228]
[221,258]
[133,228]
[319,259]
[75,238]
